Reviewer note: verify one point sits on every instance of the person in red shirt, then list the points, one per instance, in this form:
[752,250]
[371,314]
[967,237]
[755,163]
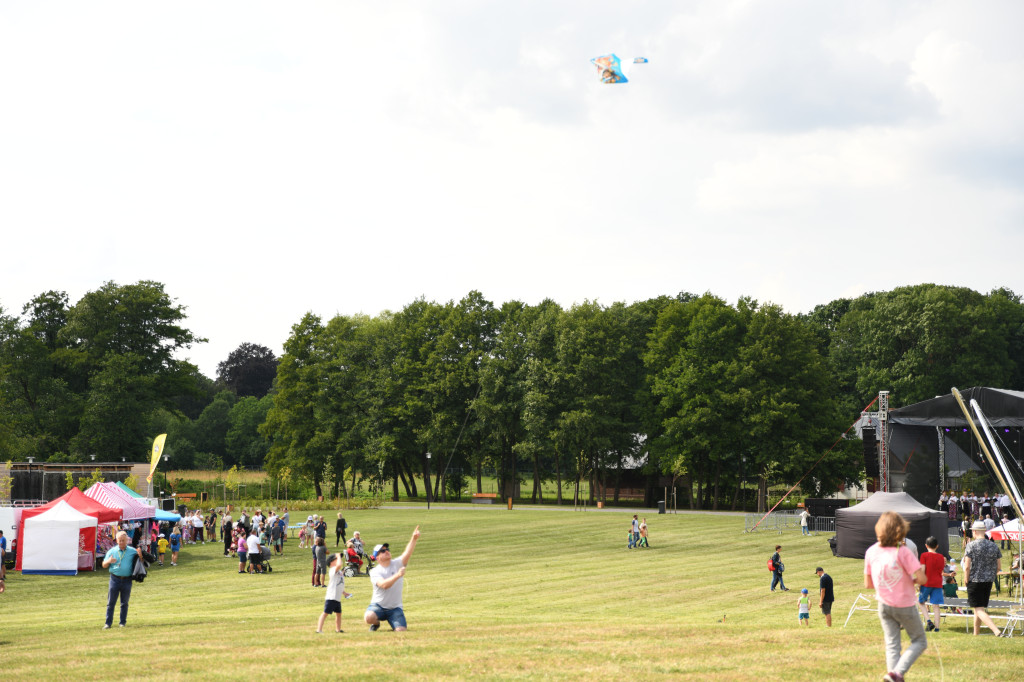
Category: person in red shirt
[931,592]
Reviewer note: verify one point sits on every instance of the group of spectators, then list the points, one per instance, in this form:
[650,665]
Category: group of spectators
[989,523]
[252,538]
[893,569]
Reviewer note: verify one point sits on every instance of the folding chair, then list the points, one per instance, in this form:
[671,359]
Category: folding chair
[1014,617]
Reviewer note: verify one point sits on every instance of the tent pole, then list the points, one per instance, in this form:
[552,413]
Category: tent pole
[998,456]
[984,448]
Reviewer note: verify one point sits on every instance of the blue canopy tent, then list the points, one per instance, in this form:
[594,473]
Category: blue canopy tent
[161,515]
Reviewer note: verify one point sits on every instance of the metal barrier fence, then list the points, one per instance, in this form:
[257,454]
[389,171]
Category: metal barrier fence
[783,521]
[956,545]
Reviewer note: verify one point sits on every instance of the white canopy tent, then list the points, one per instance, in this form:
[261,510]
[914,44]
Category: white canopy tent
[50,540]
[1007,531]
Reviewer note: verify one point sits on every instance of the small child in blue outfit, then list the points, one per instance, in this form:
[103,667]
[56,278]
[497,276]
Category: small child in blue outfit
[804,608]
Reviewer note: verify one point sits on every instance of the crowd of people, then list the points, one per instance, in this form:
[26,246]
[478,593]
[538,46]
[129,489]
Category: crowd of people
[968,504]
[910,588]
[252,538]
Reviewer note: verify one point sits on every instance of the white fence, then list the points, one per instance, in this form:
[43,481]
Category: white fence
[782,521]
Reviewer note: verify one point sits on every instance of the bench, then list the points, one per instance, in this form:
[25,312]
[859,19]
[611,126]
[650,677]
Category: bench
[953,608]
[959,608]
[484,498]
[186,496]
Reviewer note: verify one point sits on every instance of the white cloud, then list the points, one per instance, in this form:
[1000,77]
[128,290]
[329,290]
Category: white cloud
[264,160]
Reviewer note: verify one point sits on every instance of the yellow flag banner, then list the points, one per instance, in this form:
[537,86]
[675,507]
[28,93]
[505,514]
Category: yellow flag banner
[158,449]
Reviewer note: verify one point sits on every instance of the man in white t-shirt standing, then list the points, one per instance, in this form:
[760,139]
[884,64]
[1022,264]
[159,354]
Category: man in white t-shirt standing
[387,579]
[255,552]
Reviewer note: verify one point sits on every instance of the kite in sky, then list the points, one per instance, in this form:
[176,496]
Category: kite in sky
[609,68]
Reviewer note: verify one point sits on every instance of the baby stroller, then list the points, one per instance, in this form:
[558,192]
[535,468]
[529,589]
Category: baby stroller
[265,566]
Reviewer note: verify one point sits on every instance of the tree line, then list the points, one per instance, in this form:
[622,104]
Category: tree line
[691,390]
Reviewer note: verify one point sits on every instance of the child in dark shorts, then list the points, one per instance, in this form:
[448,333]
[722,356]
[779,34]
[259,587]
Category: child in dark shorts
[335,592]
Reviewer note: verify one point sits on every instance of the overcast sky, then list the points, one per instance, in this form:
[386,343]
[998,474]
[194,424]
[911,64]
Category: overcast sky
[267,159]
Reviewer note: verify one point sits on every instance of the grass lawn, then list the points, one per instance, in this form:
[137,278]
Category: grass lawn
[493,594]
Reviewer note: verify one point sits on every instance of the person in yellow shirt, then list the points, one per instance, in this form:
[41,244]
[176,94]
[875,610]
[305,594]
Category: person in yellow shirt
[162,544]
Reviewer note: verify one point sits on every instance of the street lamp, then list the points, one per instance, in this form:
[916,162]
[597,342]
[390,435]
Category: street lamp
[428,481]
[167,458]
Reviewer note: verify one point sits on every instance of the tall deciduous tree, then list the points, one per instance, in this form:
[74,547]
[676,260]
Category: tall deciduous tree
[242,443]
[249,370]
[124,337]
[786,408]
[919,341]
[296,442]
[692,359]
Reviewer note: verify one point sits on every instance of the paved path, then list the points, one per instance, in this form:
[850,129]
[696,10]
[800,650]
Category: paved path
[568,508]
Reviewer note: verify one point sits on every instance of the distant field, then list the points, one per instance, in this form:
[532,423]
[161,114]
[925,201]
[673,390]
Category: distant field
[491,594]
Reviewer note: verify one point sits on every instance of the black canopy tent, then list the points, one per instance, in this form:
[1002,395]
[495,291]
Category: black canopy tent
[855,526]
[914,432]
[1002,408]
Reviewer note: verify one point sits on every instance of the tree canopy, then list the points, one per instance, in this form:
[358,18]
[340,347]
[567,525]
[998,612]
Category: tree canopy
[691,389]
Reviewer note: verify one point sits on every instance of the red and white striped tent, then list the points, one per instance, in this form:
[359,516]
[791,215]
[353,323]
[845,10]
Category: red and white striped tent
[111,495]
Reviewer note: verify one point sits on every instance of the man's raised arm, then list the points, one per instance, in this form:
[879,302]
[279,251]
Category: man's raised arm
[407,554]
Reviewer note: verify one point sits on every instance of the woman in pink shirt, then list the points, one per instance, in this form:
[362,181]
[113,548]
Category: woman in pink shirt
[893,570]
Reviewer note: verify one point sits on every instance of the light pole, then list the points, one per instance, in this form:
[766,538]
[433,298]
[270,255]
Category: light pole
[30,460]
[428,481]
[167,458]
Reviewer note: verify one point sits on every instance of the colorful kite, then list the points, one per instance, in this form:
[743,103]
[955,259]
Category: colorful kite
[609,68]
[639,60]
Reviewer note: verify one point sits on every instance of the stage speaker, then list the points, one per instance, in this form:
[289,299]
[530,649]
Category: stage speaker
[167,504]
[817,506]
[870,453]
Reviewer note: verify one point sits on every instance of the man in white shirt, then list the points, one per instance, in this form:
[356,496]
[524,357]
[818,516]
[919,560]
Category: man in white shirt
[387,579]
[1004,504]
[255,552]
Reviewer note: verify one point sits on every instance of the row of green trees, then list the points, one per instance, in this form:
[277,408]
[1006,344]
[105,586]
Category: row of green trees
[706,393]
[709,393]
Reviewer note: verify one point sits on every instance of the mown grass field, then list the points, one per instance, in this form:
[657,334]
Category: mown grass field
[490,594]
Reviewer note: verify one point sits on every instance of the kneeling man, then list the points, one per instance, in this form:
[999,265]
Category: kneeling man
[386,578]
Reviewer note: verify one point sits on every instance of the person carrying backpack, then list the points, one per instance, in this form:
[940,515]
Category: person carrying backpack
[776,567]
